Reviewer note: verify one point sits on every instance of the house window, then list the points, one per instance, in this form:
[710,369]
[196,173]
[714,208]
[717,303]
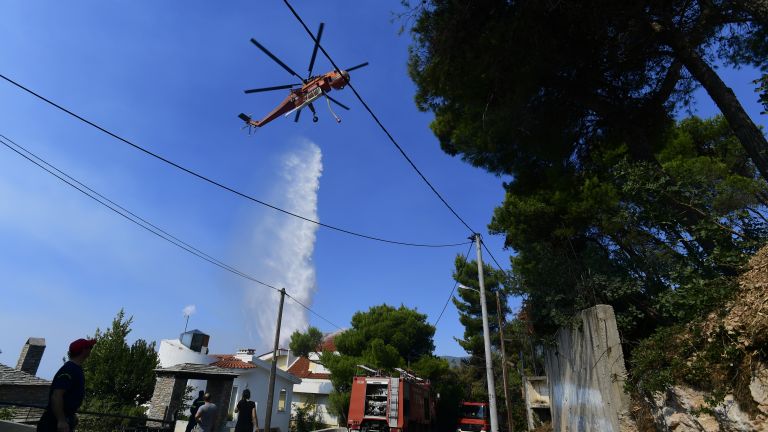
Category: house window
[232,400]
[281,401]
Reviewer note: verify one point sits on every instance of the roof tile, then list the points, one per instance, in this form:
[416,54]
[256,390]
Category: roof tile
[11,376]
[231,362]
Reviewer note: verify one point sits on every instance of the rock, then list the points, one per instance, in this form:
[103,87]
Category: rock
[682,409]
[758,386]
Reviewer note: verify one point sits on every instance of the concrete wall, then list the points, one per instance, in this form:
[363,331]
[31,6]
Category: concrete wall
[586,375]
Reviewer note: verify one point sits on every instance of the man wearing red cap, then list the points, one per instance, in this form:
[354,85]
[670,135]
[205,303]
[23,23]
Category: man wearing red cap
[67,390]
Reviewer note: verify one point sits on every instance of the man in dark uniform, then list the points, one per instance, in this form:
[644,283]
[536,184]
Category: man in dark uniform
[197,403]
[67,390]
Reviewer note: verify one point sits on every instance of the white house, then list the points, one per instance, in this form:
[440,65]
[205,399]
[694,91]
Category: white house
[252,373]
[315,385]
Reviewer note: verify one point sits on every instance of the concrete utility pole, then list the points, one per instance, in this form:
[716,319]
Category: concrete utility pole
[486,338]
[510,422]
[273,370]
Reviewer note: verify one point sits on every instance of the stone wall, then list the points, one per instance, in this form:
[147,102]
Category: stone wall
[169,390]
[24,394]
[220,391]
[586,375]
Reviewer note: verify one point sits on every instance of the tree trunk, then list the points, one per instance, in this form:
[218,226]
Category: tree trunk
[750,136]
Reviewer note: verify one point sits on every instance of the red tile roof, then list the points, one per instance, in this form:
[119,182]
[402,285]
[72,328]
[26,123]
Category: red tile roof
[300,368]
[231,362]
[328,343]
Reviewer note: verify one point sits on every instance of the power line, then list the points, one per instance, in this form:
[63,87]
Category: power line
[221,185]
[131,216]
[376,119]
[311,311]
[491,255]
[450,296]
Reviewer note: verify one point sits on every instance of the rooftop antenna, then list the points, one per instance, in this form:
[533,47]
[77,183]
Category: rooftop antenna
[188,310]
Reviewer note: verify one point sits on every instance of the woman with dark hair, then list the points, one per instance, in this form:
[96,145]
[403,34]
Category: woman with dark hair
[246,417]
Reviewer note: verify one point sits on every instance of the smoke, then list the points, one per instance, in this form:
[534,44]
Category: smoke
[284,246]
[189,310]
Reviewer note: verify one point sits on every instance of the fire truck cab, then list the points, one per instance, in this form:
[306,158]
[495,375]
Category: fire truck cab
[473,417]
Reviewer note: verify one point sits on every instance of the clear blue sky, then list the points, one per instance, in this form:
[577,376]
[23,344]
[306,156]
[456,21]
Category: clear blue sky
[170,77]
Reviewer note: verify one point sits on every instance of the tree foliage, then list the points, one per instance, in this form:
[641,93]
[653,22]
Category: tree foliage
[305,418]
[660,241]
[526,87]
[302,344]
[119,377]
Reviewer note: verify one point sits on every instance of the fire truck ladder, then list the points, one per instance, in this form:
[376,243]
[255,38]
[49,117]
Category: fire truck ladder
[394,401]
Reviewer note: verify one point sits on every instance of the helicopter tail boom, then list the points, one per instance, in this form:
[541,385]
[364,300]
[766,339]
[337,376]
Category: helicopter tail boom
[249,121]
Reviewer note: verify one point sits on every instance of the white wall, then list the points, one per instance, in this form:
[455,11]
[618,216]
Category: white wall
[173,352]
[314,386]
[257,380]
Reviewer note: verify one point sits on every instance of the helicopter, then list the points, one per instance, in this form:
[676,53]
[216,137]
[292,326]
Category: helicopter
[306,92]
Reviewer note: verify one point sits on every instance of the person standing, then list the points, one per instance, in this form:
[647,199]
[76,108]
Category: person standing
[67,390]
[196,404]
[246,418]
[206,414]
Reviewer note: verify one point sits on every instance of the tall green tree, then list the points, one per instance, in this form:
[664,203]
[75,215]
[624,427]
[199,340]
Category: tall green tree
[468,304]
[472,373]
[119,377]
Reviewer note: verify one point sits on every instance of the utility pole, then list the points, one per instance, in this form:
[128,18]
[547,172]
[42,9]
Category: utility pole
[273,370]
[486,338]
[510,422]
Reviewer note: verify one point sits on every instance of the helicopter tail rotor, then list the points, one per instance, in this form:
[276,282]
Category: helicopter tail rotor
[248,120]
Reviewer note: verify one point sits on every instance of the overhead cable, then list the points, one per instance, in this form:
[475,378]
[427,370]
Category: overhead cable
[491,255]
[458,275]
[376,119]
[221,185]
[133,217]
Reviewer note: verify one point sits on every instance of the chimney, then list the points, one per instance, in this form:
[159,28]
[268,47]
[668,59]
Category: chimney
[31,354]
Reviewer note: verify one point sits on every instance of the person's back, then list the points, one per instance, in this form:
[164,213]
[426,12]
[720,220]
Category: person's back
[196,404]
[206,415]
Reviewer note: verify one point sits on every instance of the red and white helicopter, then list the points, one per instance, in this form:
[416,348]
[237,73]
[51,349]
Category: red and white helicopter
[305,93]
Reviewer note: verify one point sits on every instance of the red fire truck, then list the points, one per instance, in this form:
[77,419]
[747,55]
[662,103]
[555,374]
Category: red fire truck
[473,417]
[390,404]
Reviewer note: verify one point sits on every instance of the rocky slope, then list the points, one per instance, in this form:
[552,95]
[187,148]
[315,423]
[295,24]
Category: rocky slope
[741,327]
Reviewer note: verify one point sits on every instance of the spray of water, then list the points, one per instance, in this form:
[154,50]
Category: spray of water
[286,247]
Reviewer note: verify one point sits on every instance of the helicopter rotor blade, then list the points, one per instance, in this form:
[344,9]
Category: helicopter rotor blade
[263,89]
[356,67]
[277,60]
[336,102]
[314,51]
[298,113]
